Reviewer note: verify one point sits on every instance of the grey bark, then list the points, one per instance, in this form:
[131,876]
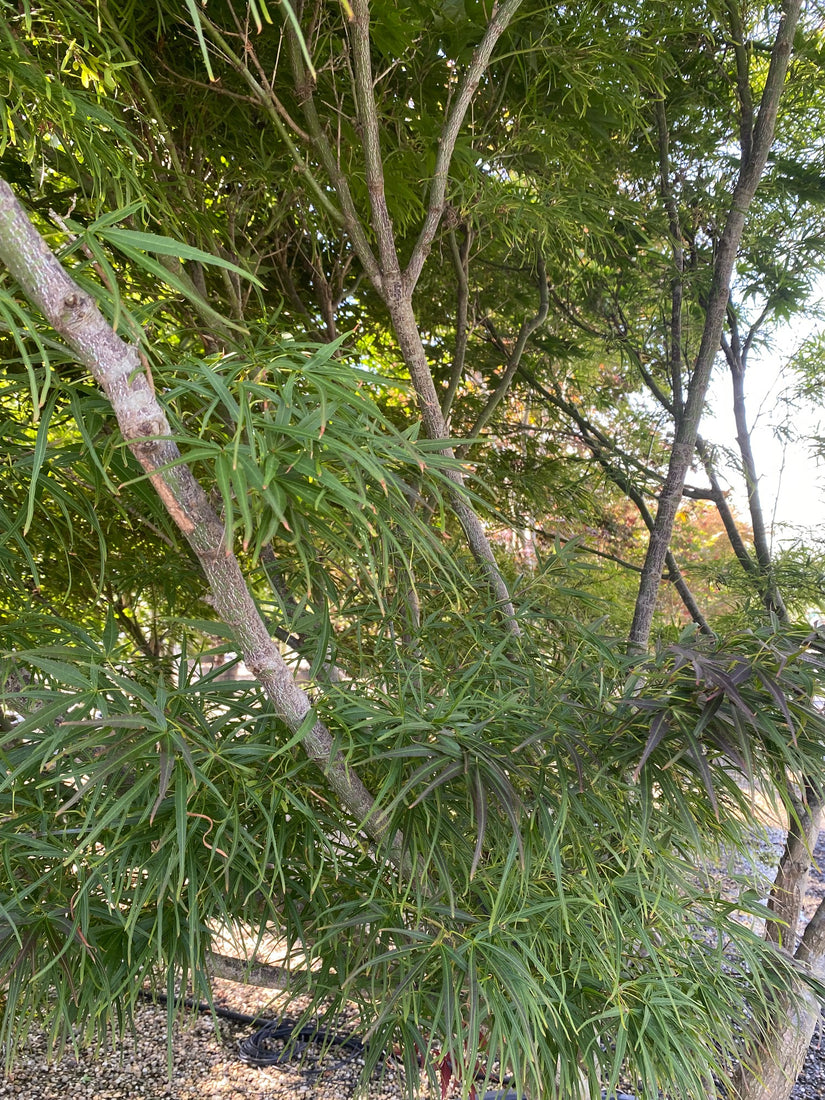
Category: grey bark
[737,357]
[722,507]
[409,340]
[781,1042]
[461,259]
[252,972]
[753,164]
[791,881]
[601,447]
[394,285]
[773,1071]
[116,367]
[785,1038]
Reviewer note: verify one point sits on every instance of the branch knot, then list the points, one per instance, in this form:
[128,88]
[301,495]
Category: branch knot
[75,310]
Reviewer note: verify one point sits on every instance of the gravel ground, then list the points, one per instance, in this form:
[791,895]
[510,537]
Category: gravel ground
[206,1064]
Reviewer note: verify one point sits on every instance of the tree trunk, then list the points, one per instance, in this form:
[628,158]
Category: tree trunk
[771,596]
[394,286]
[785,1038]
[782,1042]
[782,1051]
[404,322]
[754,160]
[790,884]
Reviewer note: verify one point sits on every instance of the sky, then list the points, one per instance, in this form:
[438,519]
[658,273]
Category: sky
[792,482]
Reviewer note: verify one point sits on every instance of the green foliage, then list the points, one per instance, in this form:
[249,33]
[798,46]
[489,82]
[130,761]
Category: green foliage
[560,803]
[544,921]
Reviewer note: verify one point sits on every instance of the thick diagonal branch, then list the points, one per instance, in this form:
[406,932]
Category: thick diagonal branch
[396,287]
[601,447]
[791,881]
[723,508]
[116,368]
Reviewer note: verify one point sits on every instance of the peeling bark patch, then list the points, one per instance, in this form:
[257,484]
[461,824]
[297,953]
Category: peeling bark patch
[148,428]
[174,509]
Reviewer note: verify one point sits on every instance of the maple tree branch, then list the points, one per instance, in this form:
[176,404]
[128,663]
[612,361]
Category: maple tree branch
[117,369]
[500,19]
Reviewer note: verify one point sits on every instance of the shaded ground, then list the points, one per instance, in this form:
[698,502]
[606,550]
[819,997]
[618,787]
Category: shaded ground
[206,1064]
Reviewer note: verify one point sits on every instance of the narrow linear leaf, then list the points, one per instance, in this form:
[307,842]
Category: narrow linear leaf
[168,246]
[659,729]
[40,446]
[167,766]
[196,23]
